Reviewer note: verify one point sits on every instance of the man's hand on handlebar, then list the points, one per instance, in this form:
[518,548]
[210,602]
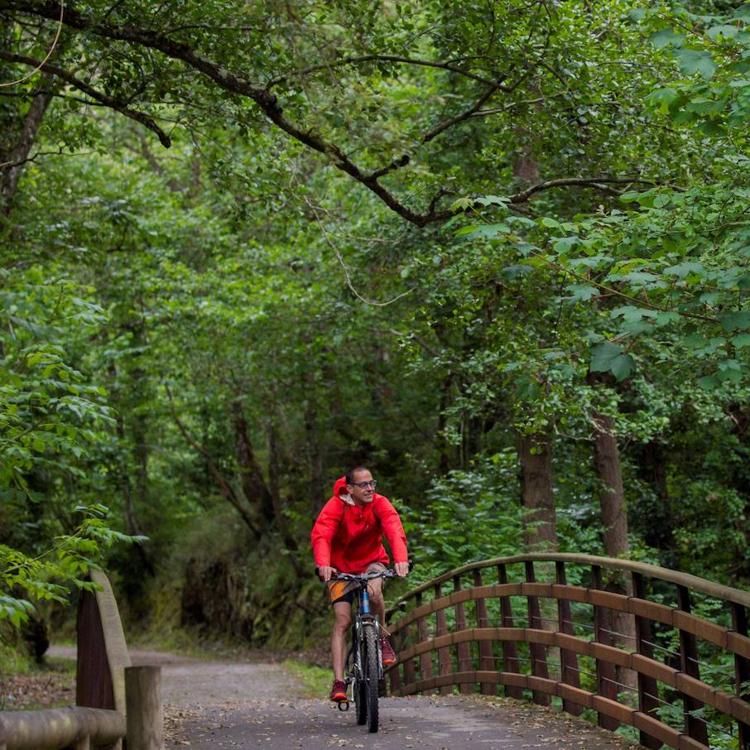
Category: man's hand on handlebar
[326,572]
[402,569]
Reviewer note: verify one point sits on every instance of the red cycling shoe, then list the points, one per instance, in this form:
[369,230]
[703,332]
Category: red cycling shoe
[338,691]
[389,655]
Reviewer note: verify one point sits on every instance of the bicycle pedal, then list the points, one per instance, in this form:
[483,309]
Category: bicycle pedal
[343,705]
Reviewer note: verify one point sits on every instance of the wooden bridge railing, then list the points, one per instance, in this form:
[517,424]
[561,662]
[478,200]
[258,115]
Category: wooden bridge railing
[661,651]
[114,700]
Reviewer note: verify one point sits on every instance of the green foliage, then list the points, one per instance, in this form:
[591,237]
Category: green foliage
[469,515]
[202,339]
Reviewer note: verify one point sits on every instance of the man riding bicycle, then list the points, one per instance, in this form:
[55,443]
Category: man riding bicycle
[348,537]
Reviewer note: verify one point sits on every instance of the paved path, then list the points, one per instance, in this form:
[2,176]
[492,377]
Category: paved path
[250,705]
[423,723]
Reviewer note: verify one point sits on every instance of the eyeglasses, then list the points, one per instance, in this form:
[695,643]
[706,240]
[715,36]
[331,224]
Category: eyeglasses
[364,485]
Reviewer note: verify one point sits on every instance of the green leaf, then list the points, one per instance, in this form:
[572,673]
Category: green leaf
[667,38]
[581,292]
[636,15]
[486,231]
[693,61]
[492,200]
[565,243]
[622,366]
[684,269]
[665,318]
[609,357]
[741,340]
[730,370]
[631,313]
[723,31]
[734,321]
[549,222]
[708,382]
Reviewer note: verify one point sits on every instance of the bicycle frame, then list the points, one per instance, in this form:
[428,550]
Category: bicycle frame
[363,619]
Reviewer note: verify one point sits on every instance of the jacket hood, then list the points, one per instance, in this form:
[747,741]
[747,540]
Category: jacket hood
[339,490]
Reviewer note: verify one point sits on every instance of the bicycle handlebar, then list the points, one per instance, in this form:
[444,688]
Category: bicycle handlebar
[387,573]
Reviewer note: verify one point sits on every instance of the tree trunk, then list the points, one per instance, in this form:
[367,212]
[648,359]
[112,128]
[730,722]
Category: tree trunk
[537,499]
[612,497]
[13,156]
[274,470]
[620,625]
[253,485]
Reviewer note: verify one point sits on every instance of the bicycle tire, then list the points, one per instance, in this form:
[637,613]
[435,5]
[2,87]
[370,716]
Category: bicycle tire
[360,696]
[371,662]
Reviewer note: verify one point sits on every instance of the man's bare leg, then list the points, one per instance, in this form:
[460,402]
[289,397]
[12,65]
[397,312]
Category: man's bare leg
[377,602]
[342,618]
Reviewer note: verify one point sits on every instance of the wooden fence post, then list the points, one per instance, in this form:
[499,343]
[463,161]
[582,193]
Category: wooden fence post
[510,651]
[145,717]
[486,660]
[537,650]
[648,688]
[606,674]
[444,654]
[425,660]
[695,727]
[410,672]
[464,654]
[569,672]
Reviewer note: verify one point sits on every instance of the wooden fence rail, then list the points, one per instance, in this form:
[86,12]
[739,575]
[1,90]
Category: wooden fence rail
[661,651]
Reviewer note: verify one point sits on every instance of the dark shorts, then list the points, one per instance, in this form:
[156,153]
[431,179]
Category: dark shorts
[344,591]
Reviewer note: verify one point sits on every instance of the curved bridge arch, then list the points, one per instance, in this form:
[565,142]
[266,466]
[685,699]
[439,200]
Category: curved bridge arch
[677,668]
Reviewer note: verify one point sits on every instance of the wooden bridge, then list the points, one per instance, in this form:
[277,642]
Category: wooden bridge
[628,643]
[621,642]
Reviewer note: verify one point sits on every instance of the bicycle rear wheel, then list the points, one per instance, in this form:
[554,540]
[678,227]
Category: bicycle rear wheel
[370,664]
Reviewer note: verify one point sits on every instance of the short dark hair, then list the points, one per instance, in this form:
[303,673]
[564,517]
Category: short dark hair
[349,476]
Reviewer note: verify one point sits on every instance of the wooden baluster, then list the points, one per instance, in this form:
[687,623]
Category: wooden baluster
[464,653]
[696,728]
[537,650]
[569,672]
[425,660]
[742,672]
[605,671]
[648,688]
[510,652]
[486,659]
[444,655]
[394,672]
[409,669]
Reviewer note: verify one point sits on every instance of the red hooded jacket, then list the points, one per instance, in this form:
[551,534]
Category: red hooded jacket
[349,537]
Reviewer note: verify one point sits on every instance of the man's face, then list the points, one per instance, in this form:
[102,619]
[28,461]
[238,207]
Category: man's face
[361,494]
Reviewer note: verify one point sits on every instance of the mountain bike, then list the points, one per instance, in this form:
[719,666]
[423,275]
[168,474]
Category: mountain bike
[364,663]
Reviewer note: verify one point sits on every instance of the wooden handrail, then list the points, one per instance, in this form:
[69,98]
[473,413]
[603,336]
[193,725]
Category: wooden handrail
[425,633]
[701,585]
[57,728]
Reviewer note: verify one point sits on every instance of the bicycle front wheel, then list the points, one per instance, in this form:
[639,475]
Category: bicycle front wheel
[371,670]
[360,691]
